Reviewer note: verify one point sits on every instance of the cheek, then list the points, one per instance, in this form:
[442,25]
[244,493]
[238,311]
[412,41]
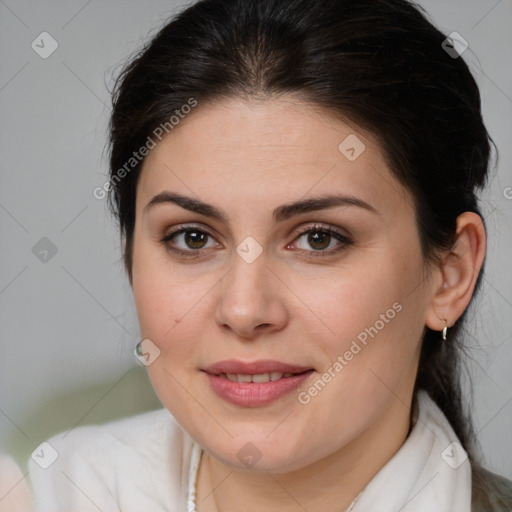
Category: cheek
[165,293]
[154,288]
[344,303]
[170,306]
[155,301]
[166,311]
[371,311]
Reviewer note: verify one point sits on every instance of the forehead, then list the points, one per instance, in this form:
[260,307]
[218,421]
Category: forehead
[257,150]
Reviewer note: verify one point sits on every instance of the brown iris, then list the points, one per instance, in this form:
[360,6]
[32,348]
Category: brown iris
[319,237]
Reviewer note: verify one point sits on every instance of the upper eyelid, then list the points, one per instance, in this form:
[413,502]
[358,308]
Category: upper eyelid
[316,225]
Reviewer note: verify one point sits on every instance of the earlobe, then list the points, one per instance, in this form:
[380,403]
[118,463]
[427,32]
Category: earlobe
[459,272]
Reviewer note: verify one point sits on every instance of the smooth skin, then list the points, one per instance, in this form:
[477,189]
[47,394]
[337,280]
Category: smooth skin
[301,301]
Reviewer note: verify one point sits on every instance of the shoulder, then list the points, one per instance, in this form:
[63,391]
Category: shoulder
[143,432]
[116,462]
[491,492]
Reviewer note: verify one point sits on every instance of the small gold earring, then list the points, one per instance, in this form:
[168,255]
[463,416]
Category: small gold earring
[445,332]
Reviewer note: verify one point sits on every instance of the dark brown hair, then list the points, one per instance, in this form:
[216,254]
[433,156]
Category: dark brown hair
[379,63]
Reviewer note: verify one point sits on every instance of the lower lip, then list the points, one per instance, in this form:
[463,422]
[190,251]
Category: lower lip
[254,394]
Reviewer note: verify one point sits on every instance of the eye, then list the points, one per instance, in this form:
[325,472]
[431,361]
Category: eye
[193,240]
[324,240]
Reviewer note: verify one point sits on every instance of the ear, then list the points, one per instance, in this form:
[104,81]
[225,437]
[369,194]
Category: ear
[457,273]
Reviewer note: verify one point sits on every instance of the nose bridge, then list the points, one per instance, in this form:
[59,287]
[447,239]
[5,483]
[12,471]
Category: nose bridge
[247,298]
[244,283]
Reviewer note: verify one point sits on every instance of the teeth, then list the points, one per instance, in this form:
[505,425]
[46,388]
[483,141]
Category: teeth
[260,377]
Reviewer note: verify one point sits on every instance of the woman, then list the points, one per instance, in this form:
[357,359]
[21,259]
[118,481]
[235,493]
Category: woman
[296,188]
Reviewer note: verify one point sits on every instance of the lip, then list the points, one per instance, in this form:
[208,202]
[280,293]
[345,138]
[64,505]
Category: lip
[254,367]
[255,394]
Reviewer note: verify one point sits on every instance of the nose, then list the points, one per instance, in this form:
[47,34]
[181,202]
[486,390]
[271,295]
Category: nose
[251,301]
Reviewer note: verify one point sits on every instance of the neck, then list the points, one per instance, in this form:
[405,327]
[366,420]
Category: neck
[331,483]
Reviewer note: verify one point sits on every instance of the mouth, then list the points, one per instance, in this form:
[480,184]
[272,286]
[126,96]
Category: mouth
[255,383]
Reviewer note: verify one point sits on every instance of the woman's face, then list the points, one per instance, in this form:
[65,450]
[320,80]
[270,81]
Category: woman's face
[260,280]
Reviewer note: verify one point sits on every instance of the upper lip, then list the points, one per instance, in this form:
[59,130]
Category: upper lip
[254,367]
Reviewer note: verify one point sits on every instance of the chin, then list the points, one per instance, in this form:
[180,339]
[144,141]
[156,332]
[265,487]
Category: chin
[257,453]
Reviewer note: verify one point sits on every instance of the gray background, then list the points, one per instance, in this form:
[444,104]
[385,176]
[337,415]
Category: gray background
[68,325]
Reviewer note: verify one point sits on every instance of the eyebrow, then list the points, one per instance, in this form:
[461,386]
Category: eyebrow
[280,214]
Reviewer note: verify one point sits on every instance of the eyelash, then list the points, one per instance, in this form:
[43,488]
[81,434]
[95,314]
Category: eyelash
[193,253]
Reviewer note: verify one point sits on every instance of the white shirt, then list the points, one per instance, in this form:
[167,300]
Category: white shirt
[147,463]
